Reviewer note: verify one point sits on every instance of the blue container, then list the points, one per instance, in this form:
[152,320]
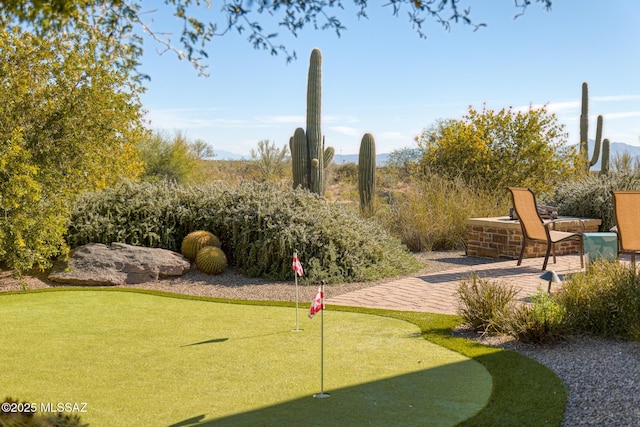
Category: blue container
[600,246]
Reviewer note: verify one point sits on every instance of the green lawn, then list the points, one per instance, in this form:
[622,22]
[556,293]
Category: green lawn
[141,359]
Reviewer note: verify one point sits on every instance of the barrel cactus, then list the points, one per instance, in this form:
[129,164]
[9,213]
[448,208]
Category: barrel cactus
[196,240]
[367,173]
[309,158]
[211,260]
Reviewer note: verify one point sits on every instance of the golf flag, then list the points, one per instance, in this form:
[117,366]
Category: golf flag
[317,304]
[296,266]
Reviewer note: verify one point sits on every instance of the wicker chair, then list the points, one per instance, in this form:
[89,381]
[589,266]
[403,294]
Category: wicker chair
[626,207]
[534,229]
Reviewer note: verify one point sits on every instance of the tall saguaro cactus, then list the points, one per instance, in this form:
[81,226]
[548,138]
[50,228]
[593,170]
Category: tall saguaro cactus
[584,137]
[309,158]
[367,172]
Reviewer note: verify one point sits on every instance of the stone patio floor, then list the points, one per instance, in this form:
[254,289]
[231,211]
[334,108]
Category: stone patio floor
[436,292]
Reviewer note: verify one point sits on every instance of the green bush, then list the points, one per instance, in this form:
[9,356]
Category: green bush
[496,149]
[485,305]
[347,173]
[590,196]
[260,226]
[542,321]
[171,157]
[604,301]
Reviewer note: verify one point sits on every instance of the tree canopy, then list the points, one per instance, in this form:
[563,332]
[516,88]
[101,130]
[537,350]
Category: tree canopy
[202,22]
[495,149]
[71,119]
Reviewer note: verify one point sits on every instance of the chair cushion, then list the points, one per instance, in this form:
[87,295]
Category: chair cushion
[558,236]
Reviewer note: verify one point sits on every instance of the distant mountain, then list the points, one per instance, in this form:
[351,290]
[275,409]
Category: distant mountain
[339,159]
[228,155]
[616,149]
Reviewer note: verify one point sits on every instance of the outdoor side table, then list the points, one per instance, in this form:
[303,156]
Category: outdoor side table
[600,246]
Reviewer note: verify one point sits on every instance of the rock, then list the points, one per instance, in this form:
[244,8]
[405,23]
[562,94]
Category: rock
[118,264]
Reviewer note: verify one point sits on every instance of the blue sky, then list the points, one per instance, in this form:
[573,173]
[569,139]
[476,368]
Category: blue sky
[380,77]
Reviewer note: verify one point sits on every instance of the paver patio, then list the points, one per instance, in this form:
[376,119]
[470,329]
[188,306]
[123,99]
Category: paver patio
[436,292]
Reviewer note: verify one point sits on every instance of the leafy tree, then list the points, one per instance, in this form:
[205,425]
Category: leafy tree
[272,161]
[200,24]
[69,120]
[624,162]
[201,149]
[402,161]
[498,149]
[171,158]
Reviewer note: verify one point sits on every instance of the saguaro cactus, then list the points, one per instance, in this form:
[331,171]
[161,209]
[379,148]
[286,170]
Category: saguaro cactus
[367,172]
[584,137]
[309,158]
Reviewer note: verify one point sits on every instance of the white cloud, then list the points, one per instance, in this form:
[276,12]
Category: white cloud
[623,115]
[188,119]
[396,136]
[552,107]
[344,119]
[345,130]
[281,119]
[616,98]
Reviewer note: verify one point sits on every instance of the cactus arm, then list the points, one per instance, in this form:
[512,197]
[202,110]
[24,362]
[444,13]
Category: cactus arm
[299,159]
[329,153]
[596,148]
[367,172]
[604,168]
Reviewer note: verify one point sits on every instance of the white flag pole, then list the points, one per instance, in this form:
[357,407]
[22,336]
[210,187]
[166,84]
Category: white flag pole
[322,394]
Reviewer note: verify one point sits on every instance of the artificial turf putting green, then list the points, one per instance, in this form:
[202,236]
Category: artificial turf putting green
[147,360]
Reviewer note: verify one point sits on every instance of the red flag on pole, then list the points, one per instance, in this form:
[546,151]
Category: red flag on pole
[296,266]
[317,304]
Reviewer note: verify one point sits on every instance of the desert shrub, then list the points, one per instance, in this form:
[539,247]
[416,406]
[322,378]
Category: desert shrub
[172,157]
[403,161]
[604,301]
[496,149]
[272,162]
[346,172]
[432,213]
[260,226]
[542,321]
[485,305]
[590,196]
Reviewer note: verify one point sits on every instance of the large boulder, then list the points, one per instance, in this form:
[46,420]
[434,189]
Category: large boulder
[118,264]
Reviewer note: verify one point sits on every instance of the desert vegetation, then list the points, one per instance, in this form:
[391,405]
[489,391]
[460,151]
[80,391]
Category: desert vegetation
[77,157]
[260,226]
[603,301]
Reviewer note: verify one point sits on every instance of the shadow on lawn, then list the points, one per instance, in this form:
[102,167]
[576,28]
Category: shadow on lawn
[213,341]
[219,340]
[521,392]
[439,396]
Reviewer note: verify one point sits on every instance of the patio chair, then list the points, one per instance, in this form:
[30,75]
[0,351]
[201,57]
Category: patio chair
[626,208]
[534,229]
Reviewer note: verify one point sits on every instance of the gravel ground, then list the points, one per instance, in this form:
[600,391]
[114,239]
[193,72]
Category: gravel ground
[602,376]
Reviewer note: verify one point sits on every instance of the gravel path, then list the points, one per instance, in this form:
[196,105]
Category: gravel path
[602,376]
